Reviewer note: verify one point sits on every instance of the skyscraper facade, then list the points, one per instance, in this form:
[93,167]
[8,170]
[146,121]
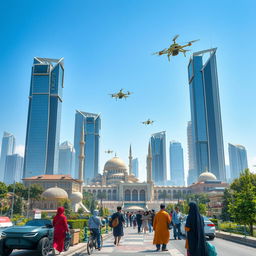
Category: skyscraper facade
[176,164]
[135,167]
[13,169]
[158,147]
[66,159]
[206,114]
[192,172]
[44,115]
[92,126]
[237,160]
[7,148]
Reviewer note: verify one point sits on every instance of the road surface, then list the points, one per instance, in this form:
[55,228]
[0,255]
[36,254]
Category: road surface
[140,244]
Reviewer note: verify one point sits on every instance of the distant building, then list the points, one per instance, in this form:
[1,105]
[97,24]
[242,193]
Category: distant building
[228,176]
[7,148]
[192,172]
[177,164]
[206,114]
[135,167]
[13,169]
[44,115]
[66,159]
[92,126]
[158,147]
[237,160]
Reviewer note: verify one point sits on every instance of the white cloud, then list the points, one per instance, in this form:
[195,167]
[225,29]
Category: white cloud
[20,150]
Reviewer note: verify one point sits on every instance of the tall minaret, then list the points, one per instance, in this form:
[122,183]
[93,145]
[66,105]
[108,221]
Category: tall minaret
[81,156]
[149,164]
[130,160]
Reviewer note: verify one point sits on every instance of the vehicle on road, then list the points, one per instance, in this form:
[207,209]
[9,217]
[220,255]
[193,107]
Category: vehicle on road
[5,222]
[209,227]
[36,235]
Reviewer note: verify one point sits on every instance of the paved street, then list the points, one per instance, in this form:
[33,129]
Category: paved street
[140,244]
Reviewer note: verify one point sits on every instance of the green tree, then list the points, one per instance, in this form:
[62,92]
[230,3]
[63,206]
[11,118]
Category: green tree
[19,188]
[18,205]
[242,204]
[89,201]
[3,190]
[34,193]
[225,214]
[67,205]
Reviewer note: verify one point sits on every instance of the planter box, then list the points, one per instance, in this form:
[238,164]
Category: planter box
[74,236]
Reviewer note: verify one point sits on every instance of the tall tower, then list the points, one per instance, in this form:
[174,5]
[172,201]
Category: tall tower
[149,164]
[92,124]
[206,114]
[130,160]
[81,156]
[44,116]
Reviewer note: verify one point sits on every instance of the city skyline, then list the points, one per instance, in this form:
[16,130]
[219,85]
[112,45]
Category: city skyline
[91,75]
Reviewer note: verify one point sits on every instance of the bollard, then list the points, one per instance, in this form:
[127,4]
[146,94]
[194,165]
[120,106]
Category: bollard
[85,234]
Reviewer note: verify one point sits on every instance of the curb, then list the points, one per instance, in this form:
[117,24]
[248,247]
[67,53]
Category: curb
[249,241]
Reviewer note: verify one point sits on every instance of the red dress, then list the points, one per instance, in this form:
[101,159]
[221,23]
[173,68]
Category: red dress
[60,228]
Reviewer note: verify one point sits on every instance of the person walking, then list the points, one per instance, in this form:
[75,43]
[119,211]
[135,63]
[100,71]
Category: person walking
[118,228]
[196,242]
[139,221]
[95,225]
[60,228]
[176,220]
[130,218]
[134,222]
[145,219]
[161,227]
[150,222]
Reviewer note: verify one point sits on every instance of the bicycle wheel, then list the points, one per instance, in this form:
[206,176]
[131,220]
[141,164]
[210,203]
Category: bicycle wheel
[101,241]
[90,247]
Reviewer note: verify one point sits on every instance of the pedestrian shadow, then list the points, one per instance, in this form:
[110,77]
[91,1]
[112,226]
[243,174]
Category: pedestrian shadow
[147,251]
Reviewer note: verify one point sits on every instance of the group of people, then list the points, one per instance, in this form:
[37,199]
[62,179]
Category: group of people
[146,221]
[142,220]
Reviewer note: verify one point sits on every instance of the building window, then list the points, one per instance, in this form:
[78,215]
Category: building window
[142,195]
[127,195]
[135,195]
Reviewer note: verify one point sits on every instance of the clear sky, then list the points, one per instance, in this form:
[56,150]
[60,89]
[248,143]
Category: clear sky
[107,45]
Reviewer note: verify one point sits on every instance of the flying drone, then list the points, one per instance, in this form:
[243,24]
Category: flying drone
[109,151]
[121,94]
[148,122]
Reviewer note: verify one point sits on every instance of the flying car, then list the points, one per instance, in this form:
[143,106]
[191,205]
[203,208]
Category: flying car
[147,122]
[175,48]
[109,151]
[121,94]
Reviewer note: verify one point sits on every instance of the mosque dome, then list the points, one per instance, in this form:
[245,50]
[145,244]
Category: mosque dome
[205,176]
[55,194]
[76,197]
[115,164]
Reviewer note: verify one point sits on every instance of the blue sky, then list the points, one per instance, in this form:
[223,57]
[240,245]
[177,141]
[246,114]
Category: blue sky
[107,45]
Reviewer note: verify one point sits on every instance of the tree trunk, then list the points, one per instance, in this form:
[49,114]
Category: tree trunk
[251,229]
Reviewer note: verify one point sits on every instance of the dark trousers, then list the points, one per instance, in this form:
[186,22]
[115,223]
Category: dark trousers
[158,246]
[96,235]
[139,226]
[176,230]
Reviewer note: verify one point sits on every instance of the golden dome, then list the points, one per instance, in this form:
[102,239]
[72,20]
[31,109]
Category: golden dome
[206,176]
[115,164]
[55,194]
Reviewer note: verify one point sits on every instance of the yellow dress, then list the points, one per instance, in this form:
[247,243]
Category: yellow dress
[160,225]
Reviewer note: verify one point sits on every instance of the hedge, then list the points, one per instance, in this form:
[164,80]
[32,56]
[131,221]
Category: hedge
[79,223]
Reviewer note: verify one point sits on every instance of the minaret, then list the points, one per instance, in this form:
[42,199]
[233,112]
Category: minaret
[81,156]
[130,160]
[149,164]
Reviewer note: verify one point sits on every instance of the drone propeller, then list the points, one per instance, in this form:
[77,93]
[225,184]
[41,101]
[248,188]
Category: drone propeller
[193,41]
[129,93]
[174,39]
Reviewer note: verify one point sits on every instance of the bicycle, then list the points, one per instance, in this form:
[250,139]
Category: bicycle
[92,243]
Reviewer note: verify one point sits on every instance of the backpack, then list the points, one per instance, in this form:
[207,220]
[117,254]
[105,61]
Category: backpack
[114,222]
[211,249]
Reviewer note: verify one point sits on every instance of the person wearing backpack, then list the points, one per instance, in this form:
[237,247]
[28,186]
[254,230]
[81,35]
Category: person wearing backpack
[196,242]
[117,223]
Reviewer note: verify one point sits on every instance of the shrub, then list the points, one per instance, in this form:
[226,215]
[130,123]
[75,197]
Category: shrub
[215,221]
[80,223]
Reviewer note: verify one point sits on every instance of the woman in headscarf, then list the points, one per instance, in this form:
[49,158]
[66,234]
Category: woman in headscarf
[60,228]
[196,242]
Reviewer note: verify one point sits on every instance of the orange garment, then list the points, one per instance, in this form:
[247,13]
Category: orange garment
[186,245]
[160,226]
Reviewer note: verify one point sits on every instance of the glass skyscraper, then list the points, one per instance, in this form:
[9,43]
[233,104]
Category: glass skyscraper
[176,164]
[206,114]
[44,116]
[7,148]
[92,126]
[13,169]
[158,147]
[135,167]
[66,159]
[237,160]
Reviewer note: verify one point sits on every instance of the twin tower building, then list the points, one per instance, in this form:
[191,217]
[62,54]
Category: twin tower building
[44,121]
[205,138]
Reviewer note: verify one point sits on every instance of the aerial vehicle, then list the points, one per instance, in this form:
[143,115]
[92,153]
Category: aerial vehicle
[175,48]
[109,151]
[121,94]
[147,122]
